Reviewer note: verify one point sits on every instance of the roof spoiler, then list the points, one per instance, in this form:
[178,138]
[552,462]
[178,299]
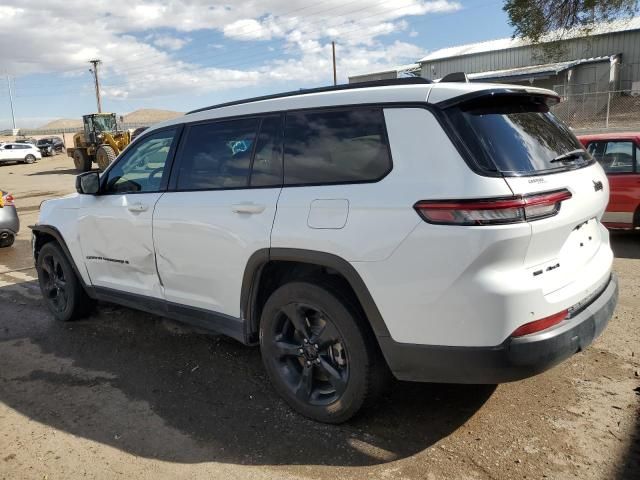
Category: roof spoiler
[548,98]
[459,77]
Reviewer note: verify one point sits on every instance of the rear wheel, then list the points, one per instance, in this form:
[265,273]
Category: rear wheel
[29,159]
[104,156]
[81,161]
[6,239]
[61,289]
[317,356]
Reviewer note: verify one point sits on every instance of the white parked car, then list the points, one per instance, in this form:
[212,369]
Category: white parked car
[444,232]
[19,152]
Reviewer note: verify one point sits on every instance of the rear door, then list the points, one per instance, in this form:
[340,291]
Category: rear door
[520,139]
[619,159]
[220,210]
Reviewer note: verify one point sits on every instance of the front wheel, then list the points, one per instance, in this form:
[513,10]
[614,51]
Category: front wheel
[29,158]
[316,353]
[81,161]
[104,156]
[61,289]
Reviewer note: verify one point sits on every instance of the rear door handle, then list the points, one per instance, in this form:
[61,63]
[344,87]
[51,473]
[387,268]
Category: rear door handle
[137,207]
[248,208]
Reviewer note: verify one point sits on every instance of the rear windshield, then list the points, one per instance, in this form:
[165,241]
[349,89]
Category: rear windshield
[517,136]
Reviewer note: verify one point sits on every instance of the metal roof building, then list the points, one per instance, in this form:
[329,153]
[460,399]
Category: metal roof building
[607,58]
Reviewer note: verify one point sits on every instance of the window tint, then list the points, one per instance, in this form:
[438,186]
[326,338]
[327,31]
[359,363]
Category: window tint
[217,155]
[614,156]
[267,161]
[335,146]
[143,166]
[516,135]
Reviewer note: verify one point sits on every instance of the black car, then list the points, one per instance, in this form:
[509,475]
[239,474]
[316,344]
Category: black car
[50,146]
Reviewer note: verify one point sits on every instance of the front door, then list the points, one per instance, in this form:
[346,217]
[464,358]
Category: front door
[115,226]
[619,159]
[7,152]
[228,176]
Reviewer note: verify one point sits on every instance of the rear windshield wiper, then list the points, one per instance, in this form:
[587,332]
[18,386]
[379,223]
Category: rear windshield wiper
[569,156]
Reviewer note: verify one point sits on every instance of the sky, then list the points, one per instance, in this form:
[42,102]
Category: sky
[185,54]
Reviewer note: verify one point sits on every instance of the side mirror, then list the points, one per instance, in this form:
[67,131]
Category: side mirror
[88,183]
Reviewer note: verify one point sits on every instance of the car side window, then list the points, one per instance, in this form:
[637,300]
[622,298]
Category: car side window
[336,146]
[266,169]
[217,155]
[142,168]
[614,156]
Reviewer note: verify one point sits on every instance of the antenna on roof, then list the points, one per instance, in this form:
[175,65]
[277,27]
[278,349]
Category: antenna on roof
[459,77]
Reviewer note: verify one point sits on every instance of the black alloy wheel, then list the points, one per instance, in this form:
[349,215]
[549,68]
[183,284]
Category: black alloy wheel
[318,351]
[54,283]
[310,354]
[63,293]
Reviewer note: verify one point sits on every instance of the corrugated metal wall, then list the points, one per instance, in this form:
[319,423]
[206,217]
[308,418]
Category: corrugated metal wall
[626,43]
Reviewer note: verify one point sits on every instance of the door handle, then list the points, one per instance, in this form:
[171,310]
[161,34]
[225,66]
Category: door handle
[137,207]
[248,208]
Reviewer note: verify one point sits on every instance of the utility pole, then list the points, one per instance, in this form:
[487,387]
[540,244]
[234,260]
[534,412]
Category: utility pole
[13,117]
[94,70]
[333,50]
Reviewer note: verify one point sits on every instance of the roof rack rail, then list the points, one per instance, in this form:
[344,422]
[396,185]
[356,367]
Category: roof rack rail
[345,86]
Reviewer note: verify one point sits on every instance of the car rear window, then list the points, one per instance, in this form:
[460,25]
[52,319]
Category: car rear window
[516,136]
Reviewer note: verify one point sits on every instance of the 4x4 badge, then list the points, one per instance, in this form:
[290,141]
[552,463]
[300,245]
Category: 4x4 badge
[597,185]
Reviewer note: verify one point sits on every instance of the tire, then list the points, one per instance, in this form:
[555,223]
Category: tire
[29,159]
[7,241]
[104,156]
[61,289]
[81,161]
[318,357]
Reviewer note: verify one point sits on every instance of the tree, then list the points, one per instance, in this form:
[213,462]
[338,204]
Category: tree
[532,19]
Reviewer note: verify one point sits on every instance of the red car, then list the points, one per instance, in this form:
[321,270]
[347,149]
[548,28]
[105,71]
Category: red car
[619,155]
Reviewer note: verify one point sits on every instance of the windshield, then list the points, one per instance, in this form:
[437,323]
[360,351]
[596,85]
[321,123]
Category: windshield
[106,123]
[44,141]
[517,136]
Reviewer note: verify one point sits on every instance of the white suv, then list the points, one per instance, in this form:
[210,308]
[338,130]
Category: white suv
[444,232]
[19,152]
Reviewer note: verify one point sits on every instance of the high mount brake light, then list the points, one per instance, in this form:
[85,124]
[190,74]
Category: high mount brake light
[539,325]
[492,211]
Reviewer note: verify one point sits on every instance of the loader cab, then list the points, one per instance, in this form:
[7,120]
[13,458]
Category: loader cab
[97,123]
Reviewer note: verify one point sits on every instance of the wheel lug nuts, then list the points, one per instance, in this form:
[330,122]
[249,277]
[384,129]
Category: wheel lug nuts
[306,341]
[300,350]
[308,363]
[316,345]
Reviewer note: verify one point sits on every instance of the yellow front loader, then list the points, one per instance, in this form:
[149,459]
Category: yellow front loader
[99,142]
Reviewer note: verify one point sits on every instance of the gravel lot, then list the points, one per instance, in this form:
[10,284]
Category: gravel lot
[129,395]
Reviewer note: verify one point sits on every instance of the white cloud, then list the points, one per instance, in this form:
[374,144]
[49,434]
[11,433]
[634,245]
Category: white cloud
[170,43]
[140,62]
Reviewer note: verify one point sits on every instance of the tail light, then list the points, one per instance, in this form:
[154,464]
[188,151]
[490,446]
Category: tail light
[539,325]
[8,199]
[492,211]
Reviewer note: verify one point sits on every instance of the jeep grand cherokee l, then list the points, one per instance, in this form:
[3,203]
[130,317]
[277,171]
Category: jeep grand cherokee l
[444,232]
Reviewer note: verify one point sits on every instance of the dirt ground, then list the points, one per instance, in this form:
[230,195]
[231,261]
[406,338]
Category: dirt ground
[129,395]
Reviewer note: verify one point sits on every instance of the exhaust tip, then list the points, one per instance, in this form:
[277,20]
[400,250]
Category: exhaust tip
[3,235]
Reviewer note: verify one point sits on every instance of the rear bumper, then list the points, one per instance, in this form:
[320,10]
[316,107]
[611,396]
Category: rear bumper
[9,221]
[514,359]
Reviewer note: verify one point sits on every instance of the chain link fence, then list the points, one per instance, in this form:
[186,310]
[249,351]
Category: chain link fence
[613,110]
[59,131]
